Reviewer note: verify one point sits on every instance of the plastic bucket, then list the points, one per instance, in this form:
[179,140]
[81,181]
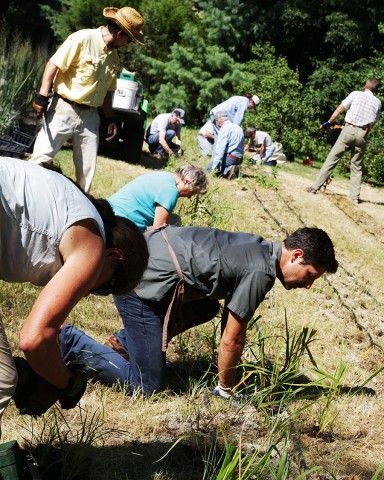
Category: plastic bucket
[125,95]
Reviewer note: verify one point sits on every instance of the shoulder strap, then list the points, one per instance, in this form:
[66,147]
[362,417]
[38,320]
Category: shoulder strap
[178,294]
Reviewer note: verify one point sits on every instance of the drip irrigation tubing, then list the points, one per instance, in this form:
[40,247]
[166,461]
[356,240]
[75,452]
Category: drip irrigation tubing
[295,437]
[362,287]
[336,291]
[357,222]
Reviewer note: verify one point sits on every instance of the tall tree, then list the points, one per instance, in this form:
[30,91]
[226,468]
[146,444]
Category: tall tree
[69,16]
[195,76]
[230,25]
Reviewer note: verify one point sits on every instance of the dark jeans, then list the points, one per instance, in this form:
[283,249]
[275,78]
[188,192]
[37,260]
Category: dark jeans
[223,169]
[142,339]
[154,145]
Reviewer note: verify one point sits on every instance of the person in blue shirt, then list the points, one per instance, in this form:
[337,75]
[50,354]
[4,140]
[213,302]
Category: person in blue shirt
[229,148]
[236,107]
[149,199]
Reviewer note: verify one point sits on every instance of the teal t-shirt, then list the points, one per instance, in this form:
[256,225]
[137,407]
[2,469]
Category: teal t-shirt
[138,199]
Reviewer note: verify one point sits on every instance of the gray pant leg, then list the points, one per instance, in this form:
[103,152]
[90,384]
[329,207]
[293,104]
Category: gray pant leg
[357,164]
[8,378]
[343,143]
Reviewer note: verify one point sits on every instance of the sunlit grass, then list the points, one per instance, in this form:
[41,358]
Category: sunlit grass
[129,434]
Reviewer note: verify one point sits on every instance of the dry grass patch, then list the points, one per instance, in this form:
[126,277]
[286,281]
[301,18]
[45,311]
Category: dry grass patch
[169,435]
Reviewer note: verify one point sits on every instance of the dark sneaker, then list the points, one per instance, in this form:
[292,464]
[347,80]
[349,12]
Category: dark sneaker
[311,190]
[158,156]
[326,183]
[114,343]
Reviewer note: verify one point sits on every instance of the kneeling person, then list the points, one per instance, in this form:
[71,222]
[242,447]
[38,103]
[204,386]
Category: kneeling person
[149,199]
[229,148]
[209,265]
[164,134]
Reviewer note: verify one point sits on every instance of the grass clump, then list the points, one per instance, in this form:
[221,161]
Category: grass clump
[21,67]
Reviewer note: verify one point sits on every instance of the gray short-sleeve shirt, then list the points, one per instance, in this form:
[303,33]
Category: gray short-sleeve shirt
[36,207]
[238,266]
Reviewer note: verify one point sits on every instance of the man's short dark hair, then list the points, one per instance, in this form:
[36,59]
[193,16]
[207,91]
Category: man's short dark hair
[316,245]
[372,84]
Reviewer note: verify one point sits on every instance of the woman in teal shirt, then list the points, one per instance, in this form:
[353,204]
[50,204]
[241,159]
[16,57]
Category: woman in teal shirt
[149,199]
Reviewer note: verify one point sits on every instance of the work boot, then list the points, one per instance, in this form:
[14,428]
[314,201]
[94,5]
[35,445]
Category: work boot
[325,184]
[114,343]
[233,172]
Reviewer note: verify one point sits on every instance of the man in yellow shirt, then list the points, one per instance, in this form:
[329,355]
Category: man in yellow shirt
[83,73]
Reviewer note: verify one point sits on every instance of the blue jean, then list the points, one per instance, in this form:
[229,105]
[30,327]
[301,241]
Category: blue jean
[141,337]
[224,170]
[154,144]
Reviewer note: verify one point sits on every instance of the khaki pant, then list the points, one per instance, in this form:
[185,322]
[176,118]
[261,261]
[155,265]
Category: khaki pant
[8,373]
[351,138]
[64,121]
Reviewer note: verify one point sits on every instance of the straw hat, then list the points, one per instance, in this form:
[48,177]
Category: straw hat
[129,20]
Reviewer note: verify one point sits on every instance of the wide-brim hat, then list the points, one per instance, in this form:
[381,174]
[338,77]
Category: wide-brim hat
[129,20]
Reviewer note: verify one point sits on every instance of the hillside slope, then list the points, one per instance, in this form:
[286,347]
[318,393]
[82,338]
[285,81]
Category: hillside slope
[341,432]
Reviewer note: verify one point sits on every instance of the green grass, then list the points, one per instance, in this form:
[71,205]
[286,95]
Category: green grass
[278,430]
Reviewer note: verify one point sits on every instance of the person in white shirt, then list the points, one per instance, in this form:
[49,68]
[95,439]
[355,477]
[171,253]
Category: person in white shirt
[268,152]
[54,236]
[363,110]
[164,134]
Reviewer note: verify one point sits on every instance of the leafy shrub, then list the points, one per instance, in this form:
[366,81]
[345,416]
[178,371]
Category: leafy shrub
[281,112]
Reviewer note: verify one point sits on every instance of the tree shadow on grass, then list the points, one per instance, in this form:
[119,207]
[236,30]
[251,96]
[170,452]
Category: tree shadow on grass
[340,197]
[181,375]
[149,161]
[133,461]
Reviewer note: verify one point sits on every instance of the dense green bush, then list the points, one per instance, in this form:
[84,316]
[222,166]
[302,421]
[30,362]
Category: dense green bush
[282,111]
[374,158]
[73,15]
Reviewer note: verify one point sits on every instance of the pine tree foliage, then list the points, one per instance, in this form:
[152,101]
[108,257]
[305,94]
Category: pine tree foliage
[195,76]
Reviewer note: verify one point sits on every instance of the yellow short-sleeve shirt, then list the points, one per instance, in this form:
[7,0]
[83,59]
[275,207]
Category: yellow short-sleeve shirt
[87,68]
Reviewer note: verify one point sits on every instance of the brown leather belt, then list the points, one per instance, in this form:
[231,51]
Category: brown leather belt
[357,126]
[74,104]
[234,157]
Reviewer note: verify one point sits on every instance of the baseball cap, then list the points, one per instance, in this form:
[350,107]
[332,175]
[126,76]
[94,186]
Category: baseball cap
[179,112]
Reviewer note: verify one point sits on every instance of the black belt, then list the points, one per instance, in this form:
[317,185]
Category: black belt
[74,104]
